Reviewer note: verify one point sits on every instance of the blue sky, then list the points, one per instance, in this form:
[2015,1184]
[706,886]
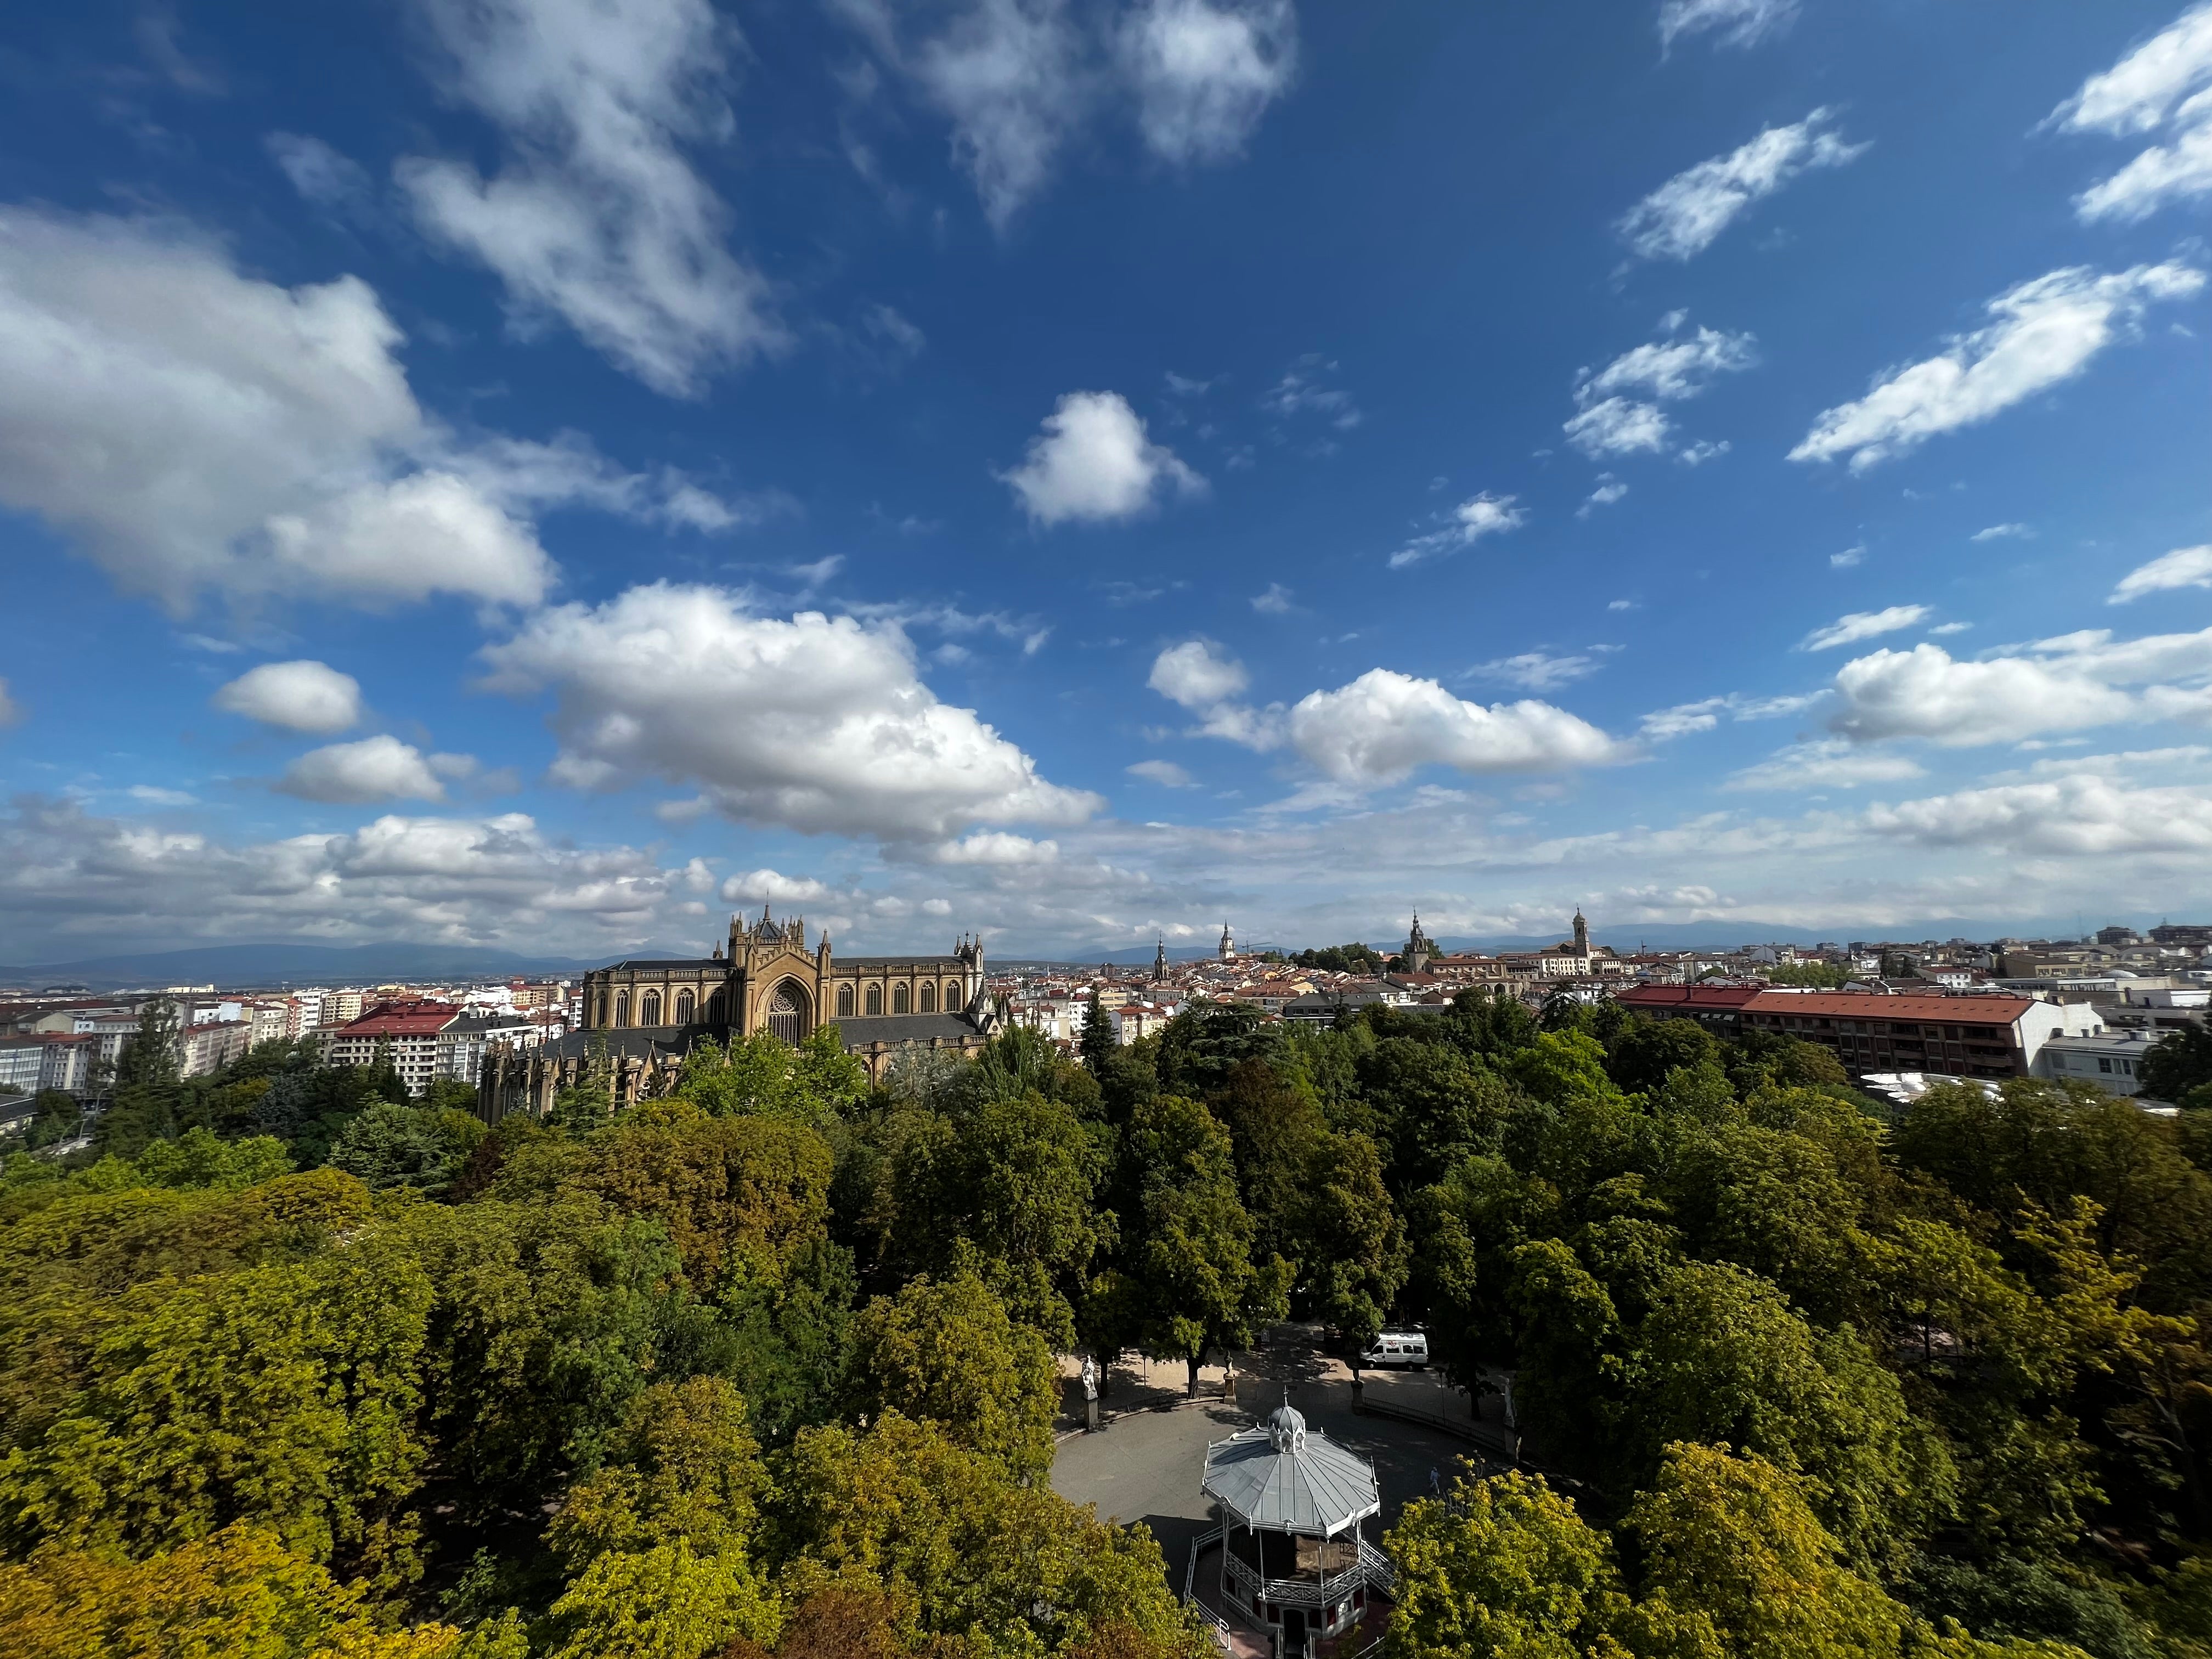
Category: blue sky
[543,473]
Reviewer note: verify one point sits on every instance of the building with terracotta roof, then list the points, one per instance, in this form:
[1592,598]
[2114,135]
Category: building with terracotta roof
[411,1029]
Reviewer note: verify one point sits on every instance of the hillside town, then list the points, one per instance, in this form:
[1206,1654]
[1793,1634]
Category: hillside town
[1899,1013]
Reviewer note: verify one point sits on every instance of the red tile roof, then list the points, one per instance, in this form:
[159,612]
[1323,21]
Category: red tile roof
[1868,1005]
[401,1019]
[1718,996]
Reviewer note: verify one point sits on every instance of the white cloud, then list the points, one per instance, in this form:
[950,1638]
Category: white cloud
[1703,450]
[81,885]
[995,847]
[1196,676]
[1478,516]
[1618,426]
[767,886]
[2069,684]
[1275,602]
[1385,724]
[1301,393]
[1613,422]
[2046,332]
[2000,532]
[1684,216]
[2167,81]
[1006,72]
[1609,490]
[1863,625]
[1093,461]
[1850,557]
[1736,23]
[1204,73]
[1829,764]
[816,723]
[1703,715]
[299,696]
[1164,773]
[375,769]
[195,429]
[597,218]
[2185,566]
[2082,815]
[1941,629]
[1536,671]
[321,175]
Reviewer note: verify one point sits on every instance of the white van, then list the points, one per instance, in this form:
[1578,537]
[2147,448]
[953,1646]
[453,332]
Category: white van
[1406,1348]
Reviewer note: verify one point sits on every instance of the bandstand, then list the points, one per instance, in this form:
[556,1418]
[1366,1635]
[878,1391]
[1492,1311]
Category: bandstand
[1291,1563]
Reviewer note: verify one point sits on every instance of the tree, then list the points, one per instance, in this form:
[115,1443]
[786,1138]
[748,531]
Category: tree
[1352,1255]
[419,1147]
[947,1353]
[1097,1041]
[147,1090]
[2177,1065]
[1190,1245]
[59,1118]
[1505,1568]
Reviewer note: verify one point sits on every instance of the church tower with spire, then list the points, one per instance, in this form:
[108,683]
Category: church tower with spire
[1160,963]
[1228,945]
[1582,933]
[1420,947]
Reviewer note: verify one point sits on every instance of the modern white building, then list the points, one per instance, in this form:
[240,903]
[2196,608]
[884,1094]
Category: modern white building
[2108,1060]
[461,1045]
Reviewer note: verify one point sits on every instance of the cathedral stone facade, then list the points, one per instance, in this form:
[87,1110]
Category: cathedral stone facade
[644,1015]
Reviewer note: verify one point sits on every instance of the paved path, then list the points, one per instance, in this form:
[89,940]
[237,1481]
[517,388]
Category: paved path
[1146,1465]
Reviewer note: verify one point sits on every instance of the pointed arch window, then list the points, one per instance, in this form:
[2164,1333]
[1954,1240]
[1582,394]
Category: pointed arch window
[951,996]
[929,999]
[844,1002]
[649,1008]
[621,1008]
[785,1017]
[875,1000]
[898,1000]
[685,1004]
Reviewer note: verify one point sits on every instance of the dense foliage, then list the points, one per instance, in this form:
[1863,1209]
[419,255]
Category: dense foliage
[291,1365]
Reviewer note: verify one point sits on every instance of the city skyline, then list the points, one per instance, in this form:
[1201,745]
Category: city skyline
[477,482]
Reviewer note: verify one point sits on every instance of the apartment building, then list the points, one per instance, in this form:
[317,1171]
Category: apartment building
[411,1030]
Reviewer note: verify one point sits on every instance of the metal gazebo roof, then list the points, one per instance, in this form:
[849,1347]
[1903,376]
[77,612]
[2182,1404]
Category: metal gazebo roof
[1277,1478]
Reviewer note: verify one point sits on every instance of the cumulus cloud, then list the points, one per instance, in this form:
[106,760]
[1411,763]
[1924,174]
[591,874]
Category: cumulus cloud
[1828,764]
[1686,214]
[1204,73]
[323,177]
[2082,816]
[298,697]
[816,724]
[2165,83]
[374,769]
[1478,516]
[1609,490]
[1093,461]
[81,883]
[1199,677]
[1275,602]
[2069,683]
[994,847]
[1863,625]
[1164,773]
[1384,726]
[1732,22]
[194,430]
[1619,403]
[768,887]
[2045,332]
[2185,566]
[597,217]
[1997,533]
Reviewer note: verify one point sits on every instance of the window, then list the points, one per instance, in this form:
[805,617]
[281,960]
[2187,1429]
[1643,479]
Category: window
[898,1000]
[929,999]
[685,1004]
[785,1016]
[649,1008]
[844,1002]
[2104,1065]
[951,996]
[622,1007]
[875,1000]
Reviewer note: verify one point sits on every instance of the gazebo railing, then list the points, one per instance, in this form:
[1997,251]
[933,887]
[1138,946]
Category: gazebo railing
[1373,1567]
[1378,1568]
[1217,1536]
